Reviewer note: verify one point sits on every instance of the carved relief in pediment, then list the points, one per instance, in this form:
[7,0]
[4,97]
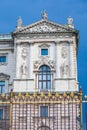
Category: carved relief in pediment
[42,28]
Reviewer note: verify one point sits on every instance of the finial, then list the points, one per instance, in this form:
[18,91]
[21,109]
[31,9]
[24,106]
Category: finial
[44,15]
[19,22]
[70,22]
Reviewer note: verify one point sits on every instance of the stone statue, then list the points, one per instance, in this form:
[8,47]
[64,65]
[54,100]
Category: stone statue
[19,22]
[70,20]
[64,69]
[44,15]
[24,68]
[24,52]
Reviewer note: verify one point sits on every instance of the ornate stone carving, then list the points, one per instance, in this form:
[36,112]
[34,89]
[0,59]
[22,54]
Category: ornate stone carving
[64,51]
[24,52]
[42,28]
[64,69]
[23,69]
[44,61]
[44,15]
[36,64]
[45,26]
[44,45]
[19,22]
[52,64]
[70,20]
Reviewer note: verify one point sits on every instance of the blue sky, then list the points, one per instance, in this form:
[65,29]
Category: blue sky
[58,11]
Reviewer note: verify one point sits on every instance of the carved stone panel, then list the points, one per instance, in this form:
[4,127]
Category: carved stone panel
[64,52]
[44,61]
[24,52]
[24,69]
[64,68]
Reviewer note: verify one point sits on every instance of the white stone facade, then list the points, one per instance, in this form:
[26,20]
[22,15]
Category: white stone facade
[23,71]
[23,56]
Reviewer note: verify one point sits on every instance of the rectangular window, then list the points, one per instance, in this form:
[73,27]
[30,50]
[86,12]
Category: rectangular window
[44,52]
[1,114]
[2,59]
[43,111]
[2,87]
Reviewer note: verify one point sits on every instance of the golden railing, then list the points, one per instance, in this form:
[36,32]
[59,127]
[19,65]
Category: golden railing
[30,102]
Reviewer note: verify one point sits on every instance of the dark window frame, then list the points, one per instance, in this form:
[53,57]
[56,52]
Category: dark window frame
[2,87]
[1,114]
[44,78]
[44,51]
[2,59]
[44,111]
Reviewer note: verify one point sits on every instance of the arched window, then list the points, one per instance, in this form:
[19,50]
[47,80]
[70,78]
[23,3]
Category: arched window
[44,78]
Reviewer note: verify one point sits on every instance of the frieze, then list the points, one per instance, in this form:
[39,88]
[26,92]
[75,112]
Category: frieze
[44,35]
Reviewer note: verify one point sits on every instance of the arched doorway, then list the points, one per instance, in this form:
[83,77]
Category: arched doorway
[44,128]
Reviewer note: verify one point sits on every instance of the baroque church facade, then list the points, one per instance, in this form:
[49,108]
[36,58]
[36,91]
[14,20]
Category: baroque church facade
[38,63]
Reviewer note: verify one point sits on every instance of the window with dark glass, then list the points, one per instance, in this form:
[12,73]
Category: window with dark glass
[2,87]
[43,111]
[44,52]
[44,78]
[2,58]
[1,114]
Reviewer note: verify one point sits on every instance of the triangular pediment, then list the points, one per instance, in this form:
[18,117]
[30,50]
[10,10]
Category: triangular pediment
[4,76]
[44,26]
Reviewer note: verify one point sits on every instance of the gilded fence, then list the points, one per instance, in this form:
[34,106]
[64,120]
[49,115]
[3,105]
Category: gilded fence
[22,111]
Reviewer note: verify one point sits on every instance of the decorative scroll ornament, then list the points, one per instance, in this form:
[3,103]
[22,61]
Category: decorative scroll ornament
[44,61]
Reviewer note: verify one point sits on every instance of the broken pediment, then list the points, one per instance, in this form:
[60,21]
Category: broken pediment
[44,26]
